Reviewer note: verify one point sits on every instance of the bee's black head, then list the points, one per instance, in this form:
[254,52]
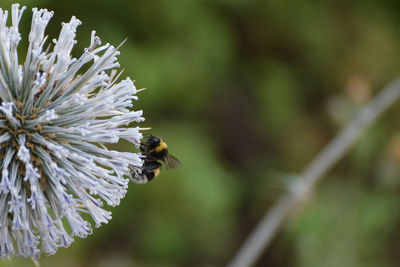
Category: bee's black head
[153,142]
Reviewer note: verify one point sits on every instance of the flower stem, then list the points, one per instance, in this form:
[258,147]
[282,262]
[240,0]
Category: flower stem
[302,186]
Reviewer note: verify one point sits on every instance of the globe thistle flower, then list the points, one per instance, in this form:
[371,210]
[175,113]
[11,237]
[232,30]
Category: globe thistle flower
[54,121]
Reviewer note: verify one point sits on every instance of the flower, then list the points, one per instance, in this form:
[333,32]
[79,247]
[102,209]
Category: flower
[54,121]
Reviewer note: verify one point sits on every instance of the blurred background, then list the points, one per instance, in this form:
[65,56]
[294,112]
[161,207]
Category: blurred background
[246,93]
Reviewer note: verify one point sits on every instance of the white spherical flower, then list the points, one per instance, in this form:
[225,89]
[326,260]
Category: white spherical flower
[54,121]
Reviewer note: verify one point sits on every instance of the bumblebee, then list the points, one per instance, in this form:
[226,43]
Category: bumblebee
[153,150]
[150,170]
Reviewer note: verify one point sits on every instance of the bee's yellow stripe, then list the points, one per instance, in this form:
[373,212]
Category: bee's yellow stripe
[157,172]
[162,146]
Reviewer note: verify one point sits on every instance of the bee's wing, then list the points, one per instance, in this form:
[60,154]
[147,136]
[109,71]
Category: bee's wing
[171,161]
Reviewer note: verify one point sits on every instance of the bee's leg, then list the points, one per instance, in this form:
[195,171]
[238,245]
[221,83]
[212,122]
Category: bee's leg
[142,147]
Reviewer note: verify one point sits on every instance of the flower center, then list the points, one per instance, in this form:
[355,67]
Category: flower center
[30,144]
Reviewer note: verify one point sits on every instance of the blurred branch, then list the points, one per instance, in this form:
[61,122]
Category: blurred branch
[302,186]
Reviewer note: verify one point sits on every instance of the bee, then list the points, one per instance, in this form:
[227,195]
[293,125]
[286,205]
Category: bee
[154,150]
[150,170]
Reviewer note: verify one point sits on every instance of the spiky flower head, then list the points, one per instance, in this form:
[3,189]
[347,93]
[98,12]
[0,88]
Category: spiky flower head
[55,119]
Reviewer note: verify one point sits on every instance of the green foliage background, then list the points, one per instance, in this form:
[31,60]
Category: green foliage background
[246,93]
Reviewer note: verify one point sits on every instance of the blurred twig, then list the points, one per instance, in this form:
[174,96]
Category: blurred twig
[302,186]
